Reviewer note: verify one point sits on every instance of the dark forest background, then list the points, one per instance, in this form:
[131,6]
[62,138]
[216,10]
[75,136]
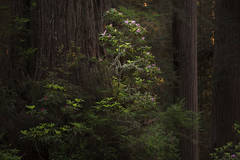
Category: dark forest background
[119,79]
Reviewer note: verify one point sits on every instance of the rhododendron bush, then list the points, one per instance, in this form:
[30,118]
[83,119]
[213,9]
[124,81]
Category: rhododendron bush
[124,121]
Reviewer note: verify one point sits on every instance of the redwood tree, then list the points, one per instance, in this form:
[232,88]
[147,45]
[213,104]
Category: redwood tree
[185,41]
[60,23]
[226,90]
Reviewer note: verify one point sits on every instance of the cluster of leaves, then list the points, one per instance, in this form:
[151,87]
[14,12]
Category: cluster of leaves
[128,123]
[6,151]
[59,127]
[229,151]
[135,76]
[134,71]
[9,154]
[68,126]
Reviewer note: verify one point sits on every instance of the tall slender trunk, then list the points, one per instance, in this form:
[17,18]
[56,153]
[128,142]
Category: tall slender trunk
[206,9]
[17,39]
[5,20]
[226,90]
[185,39]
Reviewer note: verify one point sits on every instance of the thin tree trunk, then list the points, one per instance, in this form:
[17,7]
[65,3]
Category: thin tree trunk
[17,40]
[5,20]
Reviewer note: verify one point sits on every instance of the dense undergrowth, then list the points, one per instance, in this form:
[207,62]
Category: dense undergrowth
[125,119]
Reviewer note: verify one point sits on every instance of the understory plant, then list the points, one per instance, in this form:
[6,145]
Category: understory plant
[9,154]
[6,151]
[229,151]
[127,123]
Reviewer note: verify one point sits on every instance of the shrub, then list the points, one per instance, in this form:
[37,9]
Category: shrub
[128,123]
[229,151]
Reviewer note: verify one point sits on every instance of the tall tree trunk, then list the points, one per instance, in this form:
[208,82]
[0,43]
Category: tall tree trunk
[14,40]
[186,45]
[5,19]
[206,10]
[226,90]
[60,23]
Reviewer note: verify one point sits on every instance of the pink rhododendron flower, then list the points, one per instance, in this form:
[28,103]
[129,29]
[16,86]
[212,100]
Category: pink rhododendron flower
[138,30]
[133,22]
[148,66]
[126,21]
[233,156]
[143,38]
[104,33]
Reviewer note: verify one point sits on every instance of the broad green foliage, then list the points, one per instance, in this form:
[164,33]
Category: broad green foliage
[6,151]
[21,23]
[31,107]
[9,154]
[229,151]
[161,143]
[126,123]
[55,87]
[109,105]
[133,67]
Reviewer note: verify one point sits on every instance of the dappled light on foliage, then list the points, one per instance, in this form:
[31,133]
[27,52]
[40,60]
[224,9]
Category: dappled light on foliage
[119,80]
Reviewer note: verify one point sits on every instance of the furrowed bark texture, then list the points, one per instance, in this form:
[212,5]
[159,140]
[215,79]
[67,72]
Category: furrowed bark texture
[205,66]
[185,41]
[62,23]
[226,110]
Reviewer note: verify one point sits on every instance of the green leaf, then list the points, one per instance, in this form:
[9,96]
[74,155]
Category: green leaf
[77,125]
[31,107]
[57,132]
[34,4]
[24,132]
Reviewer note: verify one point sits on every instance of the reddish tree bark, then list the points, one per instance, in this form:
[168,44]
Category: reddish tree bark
[59,23]
[185,41]
[226,90]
